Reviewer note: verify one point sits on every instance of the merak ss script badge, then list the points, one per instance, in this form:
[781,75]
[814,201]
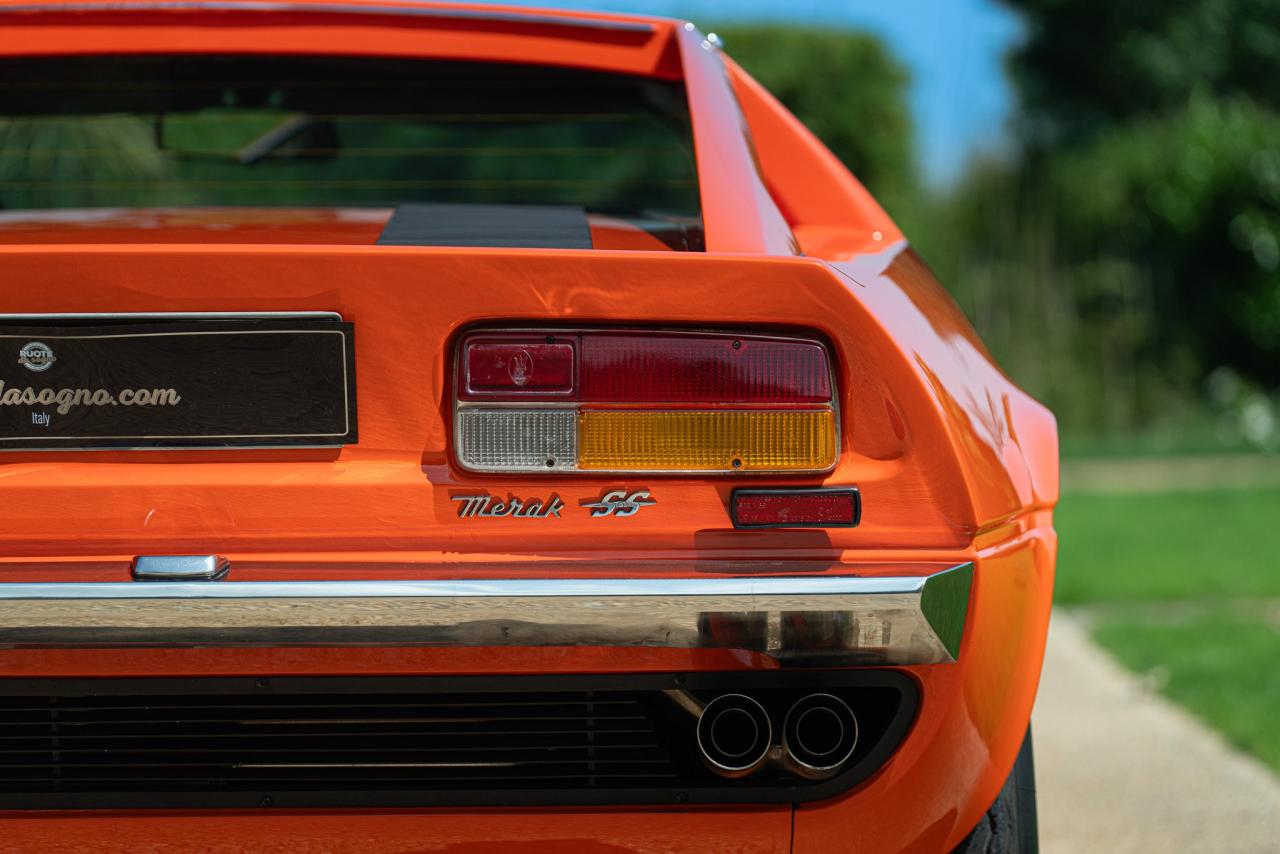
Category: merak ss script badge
[619,503]
[484,506]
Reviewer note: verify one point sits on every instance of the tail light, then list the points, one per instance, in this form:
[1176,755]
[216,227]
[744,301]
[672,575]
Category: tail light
[609,401]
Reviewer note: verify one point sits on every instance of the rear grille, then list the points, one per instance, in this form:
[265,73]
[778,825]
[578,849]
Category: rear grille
[360,742]
[211,741]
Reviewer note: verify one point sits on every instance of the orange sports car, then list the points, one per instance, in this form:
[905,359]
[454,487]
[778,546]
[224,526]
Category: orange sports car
[457,428]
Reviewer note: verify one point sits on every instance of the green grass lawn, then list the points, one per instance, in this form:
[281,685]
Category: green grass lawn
[1185,586]
[1171,545]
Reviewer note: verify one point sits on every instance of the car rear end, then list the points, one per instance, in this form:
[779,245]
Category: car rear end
[515,482]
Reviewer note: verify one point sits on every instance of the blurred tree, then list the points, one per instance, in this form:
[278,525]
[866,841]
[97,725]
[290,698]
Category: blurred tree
[1194,197]
[1145,260]
[846,87]
[1089,63]
[1137,226]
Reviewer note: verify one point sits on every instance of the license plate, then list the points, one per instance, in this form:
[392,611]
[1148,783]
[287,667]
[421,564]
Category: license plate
[178,384]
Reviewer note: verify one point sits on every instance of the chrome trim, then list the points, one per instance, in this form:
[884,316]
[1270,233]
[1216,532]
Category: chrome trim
[806,769]
[944,604]
[861,620]
[750,707]
[99,449]
[152,316]
[171,568]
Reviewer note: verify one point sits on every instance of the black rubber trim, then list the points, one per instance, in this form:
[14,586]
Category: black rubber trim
[852,491]
[731,792]
[488,226]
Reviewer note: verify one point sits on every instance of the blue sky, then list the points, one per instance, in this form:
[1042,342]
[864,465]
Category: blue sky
[960,97]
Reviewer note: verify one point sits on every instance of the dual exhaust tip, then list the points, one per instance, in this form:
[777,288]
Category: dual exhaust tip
[735,736]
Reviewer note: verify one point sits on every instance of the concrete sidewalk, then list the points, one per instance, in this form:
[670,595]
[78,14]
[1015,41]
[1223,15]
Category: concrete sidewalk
[1120,769]
[1162,474]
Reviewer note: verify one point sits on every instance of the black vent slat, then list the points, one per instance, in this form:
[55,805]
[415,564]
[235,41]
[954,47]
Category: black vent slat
[273,702]
[84,757]
[322,765]
[211,783]
[524,226]
[309,722]
[582,743]
[304,712]
[7,740]
[368,737]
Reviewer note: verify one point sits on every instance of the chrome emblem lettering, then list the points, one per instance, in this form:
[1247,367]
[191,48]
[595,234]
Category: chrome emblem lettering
[486,507]
[36,356]
[521,367]
[619,503]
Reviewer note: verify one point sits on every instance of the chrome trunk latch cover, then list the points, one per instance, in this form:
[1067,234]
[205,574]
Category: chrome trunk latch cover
[180,568]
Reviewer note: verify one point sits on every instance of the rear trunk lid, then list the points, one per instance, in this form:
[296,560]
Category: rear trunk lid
[387,502]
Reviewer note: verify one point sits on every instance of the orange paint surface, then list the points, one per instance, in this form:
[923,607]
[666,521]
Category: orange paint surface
[954,462]
[764,830]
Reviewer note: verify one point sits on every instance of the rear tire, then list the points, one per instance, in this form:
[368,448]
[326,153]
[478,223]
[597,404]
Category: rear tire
[1009,827]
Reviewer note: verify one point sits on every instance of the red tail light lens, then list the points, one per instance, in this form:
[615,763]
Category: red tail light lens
[635,401]
[516,368]
[703,370]
[796,508]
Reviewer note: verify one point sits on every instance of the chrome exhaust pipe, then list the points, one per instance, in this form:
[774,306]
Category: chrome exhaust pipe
[818,736]
[734,735]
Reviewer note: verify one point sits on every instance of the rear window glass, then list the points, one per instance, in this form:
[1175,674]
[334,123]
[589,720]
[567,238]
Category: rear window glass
[330,132]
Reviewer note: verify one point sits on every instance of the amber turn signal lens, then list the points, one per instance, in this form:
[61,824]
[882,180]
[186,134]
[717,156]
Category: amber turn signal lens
[722,440]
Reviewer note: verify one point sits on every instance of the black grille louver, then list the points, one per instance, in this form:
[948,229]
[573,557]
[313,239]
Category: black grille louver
[222,742]
[363,742]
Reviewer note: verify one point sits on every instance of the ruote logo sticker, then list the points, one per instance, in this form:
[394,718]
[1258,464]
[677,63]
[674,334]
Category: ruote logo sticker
[36,356]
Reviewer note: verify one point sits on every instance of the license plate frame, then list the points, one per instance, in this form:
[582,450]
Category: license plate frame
[158,382]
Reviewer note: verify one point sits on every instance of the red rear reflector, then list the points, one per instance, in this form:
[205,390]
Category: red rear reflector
[703,369]
[517,368]
[796,508]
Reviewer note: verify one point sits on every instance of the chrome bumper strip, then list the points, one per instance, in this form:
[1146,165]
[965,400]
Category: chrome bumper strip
[827,619]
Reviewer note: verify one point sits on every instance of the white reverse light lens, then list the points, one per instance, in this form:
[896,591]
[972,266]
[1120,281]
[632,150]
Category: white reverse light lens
[525,440]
